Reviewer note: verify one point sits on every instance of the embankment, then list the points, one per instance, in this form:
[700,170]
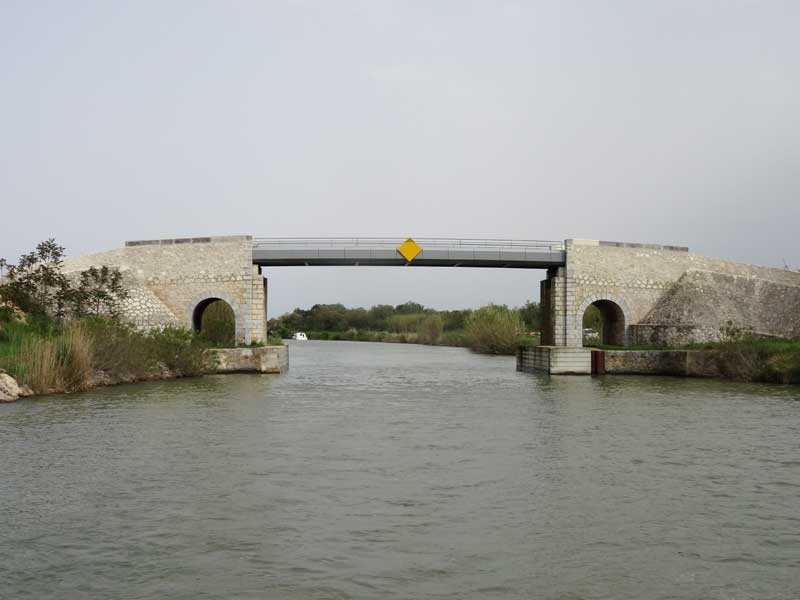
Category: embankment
[264,359]
[771,361]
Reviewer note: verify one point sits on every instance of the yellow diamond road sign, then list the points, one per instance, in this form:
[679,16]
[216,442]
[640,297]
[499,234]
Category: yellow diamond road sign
[409,249]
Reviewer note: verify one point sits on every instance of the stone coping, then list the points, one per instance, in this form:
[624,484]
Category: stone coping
[194,240]
[578,242]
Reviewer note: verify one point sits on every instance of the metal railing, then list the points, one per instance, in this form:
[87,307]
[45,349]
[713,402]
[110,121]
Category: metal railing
[394,242]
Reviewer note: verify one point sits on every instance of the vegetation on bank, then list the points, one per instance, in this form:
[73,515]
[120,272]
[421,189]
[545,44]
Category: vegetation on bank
[218,325]
[741,355]
[218,328]
[38,288]
[62,333]
[75,355]
[493,329]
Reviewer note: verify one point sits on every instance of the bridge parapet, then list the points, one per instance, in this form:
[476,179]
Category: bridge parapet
[394,242]
[436,252]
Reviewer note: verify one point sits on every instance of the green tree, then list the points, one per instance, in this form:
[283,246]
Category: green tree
[328,317]
[593,319]
[409,308]
[36,285]
[531,315]
[430,329]
[99,292]
[454,320]
[379,315]
[218,324]
[357,318]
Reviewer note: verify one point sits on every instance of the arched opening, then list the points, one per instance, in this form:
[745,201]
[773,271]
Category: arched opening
[215,320]
[604,323]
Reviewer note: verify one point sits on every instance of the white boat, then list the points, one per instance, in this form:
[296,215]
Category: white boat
[299,336]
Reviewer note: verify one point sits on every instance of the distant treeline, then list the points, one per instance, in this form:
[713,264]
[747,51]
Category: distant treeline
[493,328]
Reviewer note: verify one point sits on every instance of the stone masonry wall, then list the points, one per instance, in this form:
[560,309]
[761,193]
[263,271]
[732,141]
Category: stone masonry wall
[167,279]
[666,287]
[706,300]
[683,363]
[555,360]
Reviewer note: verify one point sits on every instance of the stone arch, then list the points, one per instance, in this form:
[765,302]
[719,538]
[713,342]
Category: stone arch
[616,317]
[200,302]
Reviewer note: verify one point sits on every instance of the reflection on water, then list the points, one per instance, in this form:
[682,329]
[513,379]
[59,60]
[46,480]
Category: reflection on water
[392,471]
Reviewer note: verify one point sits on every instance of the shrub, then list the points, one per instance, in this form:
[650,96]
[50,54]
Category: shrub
[120,350]
[784,366]
[429,329]
[743,361]
[405,322]
[453,338]
[494,329]
[743,356]
[179,350]
[274,340]
[6,314]
[219,324]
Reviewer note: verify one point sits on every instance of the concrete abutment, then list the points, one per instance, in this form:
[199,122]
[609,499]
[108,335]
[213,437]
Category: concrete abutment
[662,296]
[170,281]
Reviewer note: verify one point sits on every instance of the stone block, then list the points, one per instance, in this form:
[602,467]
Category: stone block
[266,359]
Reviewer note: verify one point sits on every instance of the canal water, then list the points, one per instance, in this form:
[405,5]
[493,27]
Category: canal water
[393,471]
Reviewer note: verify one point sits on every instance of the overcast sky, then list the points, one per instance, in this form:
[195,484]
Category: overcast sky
[673,122]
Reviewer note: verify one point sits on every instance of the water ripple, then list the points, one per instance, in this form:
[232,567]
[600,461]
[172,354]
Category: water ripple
[392,471]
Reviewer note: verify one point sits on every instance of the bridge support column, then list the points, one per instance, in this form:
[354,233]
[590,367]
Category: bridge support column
[560,324]
[573,322]
[551,298]
[255,329]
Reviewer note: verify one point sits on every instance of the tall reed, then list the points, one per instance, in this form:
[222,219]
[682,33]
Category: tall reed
[75,357]
[61,362]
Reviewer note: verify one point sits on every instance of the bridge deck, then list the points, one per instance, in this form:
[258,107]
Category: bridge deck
[436,252]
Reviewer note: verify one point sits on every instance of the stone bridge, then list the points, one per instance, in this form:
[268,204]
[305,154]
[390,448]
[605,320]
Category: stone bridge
[646,294]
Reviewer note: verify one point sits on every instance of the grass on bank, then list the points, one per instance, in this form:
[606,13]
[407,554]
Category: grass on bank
[757,359]
[631,347]
[744,357]
[68,357]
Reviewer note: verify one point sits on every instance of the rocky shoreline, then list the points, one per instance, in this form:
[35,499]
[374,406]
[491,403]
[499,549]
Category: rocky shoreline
[265,359]
[10,390]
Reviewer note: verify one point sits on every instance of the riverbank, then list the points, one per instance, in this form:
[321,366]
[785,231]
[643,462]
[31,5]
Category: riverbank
[220,361]
[491,329]
[450,338]
[455,339]
[749,360]
[12,390]
[49,357]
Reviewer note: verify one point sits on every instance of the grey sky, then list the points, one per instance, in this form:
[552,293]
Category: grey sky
[671,122]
